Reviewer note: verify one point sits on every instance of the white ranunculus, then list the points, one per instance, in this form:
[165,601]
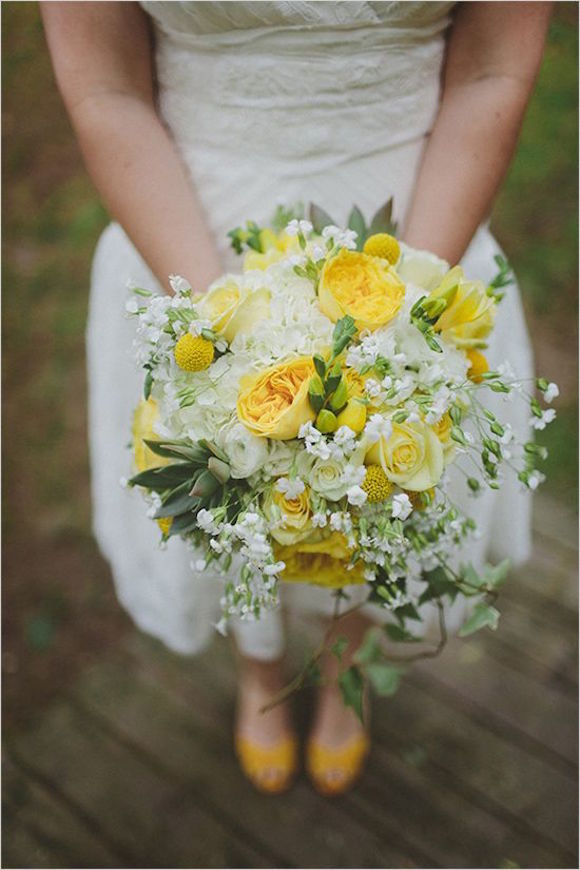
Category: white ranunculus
[246,453]
[421,268]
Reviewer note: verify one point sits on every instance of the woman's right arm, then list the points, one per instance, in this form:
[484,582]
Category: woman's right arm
[102,57]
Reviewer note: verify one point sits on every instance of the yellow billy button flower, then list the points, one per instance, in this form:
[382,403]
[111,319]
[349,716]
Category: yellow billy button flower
[478,365]
[384,246]
[354,416]
[376,484]
[193,353]
[165,524]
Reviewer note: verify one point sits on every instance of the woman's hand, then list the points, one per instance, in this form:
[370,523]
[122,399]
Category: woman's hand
[493,57]
[102,57]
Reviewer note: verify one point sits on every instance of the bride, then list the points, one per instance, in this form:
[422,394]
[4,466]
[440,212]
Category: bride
[195,116]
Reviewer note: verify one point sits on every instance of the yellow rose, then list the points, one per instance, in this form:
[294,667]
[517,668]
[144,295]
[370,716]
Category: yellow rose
[144,418]
[295,524]
[365,287]
[320,560]
[470,313]
[234,310]
[274,249]
[219,304]
[412,457]
[274,403]
[443,431]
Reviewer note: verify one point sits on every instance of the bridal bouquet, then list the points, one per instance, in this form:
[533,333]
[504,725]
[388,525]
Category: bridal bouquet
[300,415]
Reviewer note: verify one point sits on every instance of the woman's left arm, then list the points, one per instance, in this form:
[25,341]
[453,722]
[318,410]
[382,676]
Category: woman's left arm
[493,57]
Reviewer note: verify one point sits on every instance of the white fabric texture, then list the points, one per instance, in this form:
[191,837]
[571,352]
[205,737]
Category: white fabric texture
[330,102]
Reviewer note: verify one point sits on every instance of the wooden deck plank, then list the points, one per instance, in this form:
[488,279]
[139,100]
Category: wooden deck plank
[540,713]
[189,737]
[132,804]
[32,814]
[524,774]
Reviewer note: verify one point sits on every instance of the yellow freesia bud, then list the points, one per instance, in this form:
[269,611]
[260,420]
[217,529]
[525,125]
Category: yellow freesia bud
[326,422]
[479,365]
[354,416]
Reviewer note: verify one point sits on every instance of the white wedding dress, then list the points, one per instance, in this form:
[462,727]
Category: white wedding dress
[330,102]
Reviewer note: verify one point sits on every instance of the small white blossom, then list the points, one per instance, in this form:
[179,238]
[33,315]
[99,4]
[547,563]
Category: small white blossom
[196,327]
[291,488]
[299,226]
[535,479]
[179,285]
[401,506]
[378,427]
[356,496]
[541,422]
[319,520]
[551,392]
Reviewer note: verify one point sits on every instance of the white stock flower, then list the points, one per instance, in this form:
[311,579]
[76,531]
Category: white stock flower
[401,506]
[291,488]
[356,496]
[378,427]
[179,285]
[541,422]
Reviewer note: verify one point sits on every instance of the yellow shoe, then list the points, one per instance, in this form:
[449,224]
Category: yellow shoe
[333,771]
[271,769]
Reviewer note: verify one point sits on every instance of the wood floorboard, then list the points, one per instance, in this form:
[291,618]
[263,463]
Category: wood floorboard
[474,761]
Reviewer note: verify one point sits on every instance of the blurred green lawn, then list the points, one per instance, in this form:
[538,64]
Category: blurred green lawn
[59,609]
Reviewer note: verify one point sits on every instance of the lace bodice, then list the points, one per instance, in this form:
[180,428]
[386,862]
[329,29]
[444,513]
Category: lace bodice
[299,100]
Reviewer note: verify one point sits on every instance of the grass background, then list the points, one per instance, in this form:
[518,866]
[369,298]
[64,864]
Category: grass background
[59,609]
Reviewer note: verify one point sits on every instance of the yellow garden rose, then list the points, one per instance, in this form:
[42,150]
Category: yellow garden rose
[296,513]
[144,418]
[232,309]
[321,560]
[274,403]
[365,287]
[470,313]
[412,457]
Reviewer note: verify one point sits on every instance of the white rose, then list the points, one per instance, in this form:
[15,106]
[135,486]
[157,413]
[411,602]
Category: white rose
[421,268]
[246,453]
[325,476]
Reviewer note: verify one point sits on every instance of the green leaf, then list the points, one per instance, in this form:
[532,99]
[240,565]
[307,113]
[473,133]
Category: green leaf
[183,523]
[370,648]
[319,218]
[338,647]
[384,678]
[205,485]
[319,365]
[351,684]
[483,615]
[177,502]
[147,386]
[400,634]
[164,477]
[382,221]
[356,222]
[177,450]
[496,575]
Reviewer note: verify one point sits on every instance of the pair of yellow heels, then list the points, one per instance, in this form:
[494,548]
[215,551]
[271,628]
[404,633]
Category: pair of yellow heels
[332,771]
